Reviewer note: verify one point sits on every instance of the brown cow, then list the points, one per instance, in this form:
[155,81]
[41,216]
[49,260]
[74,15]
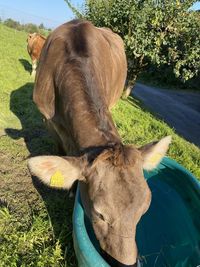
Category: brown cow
[81,75]
[35,42]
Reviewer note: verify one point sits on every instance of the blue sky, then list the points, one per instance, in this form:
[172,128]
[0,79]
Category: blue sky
[50,12]
[196,6]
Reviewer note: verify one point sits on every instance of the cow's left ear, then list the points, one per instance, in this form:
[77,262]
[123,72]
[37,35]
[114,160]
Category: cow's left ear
[59,172]
[153,153]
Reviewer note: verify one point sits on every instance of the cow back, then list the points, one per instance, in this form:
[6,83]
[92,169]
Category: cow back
[101,54]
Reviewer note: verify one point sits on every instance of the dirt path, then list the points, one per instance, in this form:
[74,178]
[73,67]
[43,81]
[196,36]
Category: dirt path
[181,110]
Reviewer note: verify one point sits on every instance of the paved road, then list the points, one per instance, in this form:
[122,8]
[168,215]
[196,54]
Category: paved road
[181,110]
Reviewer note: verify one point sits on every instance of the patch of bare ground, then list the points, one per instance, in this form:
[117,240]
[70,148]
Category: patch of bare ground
[17,191]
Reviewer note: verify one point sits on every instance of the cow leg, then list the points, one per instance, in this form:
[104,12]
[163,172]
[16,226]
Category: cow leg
[127,91]
[34,66]
[129,87]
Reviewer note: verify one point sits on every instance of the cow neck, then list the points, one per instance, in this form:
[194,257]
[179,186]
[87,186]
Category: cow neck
[87,104]
[96,130]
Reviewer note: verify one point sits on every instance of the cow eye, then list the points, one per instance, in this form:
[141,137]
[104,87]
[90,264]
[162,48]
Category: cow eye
[100,216]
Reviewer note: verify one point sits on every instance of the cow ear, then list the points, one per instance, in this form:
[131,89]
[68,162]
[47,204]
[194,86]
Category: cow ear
[54,171]
[153,153]
[44,87]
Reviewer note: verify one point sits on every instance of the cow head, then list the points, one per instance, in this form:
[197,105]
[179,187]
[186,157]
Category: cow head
[31,35]
[116,192]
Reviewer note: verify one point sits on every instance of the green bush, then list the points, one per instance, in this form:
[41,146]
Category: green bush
[154,32]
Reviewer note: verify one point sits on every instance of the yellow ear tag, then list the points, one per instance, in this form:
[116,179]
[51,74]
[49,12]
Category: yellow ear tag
[57,179]
[155,158]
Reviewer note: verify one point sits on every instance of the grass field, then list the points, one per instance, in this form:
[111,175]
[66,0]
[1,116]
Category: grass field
[35,221]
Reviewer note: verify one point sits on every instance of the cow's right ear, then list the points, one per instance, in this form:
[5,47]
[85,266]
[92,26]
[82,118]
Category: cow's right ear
[58,172]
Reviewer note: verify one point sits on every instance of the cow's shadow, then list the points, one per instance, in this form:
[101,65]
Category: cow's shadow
[33,131]
[34,135]
[26,64]
[60,208]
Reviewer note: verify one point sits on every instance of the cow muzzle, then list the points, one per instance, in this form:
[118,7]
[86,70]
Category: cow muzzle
[115,263]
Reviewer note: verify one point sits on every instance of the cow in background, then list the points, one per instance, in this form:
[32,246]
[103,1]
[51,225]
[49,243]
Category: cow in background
[81,75]
[35,42]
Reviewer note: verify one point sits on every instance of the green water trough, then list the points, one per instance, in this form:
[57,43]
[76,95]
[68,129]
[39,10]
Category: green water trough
[168,235]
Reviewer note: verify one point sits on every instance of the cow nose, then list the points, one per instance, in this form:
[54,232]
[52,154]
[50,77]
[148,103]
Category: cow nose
[115,263]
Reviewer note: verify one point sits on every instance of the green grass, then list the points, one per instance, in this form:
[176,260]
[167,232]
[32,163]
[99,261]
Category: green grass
[35,221]
[138,126]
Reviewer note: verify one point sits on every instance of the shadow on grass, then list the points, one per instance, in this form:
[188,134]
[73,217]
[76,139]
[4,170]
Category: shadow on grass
[134,101]
[39,142]
[3,203]
[33,130]
[60,209]
[26,64]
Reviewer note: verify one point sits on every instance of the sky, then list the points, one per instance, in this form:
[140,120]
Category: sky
[196,6]
[51,13]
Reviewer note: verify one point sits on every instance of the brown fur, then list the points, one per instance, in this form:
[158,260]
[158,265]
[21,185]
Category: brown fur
[81,75]
[74,91]
[35,42]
